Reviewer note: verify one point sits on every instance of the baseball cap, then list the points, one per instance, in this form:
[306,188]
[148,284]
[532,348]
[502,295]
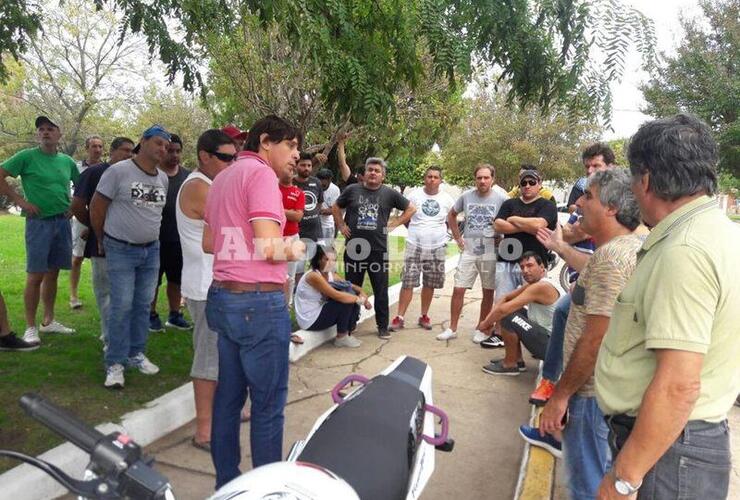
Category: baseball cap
[234,132]
[40,120]
[529,173]
[153,131]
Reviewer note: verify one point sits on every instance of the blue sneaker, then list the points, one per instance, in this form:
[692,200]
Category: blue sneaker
[155,324]
[177,320]
[549,443]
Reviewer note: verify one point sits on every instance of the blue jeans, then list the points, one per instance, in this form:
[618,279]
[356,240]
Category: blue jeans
[585,447]
[553,365]
[132,273]
[253,340]
[101,289]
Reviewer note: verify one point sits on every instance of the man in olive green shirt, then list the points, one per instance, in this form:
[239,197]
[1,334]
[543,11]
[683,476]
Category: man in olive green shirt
[45,176]
[668,372]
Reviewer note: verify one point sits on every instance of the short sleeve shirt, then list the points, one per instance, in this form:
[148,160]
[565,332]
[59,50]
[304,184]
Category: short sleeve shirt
[514,245]
[85,189]
[367,212]
[168,230]
[596,290]
[480,212]
[246,191]
[428,225]
[45,178]
[293,199]
[684,295]
[310,225]
[330,196]
[136,201]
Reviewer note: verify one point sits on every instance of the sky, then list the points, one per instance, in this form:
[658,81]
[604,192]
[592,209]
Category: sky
[627,98]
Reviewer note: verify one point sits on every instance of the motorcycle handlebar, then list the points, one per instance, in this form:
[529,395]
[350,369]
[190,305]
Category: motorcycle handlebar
[60,421]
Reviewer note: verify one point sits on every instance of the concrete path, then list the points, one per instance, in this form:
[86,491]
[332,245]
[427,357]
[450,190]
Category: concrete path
[485,411]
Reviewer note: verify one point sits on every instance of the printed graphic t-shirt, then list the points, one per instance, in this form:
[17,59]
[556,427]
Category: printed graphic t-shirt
[367,212]
[310,225]
[137,199]
[427,227]
[479,214]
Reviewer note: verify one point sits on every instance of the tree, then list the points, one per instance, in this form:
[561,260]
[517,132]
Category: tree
[549,52]
[492,132]
[75,69]
[703,77]
[18,22]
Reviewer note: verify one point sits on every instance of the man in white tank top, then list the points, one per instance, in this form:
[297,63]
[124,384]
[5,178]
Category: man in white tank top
[216,151]
[531,326]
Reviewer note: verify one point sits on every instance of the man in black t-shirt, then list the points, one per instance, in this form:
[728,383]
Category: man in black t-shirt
[170,251]
[120,149]
[310,225]
[365,227]
[518,220]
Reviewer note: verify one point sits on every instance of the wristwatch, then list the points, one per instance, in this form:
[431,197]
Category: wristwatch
[625,488]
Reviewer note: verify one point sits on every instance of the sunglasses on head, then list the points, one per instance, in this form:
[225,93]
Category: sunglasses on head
[225,157]
[528,182]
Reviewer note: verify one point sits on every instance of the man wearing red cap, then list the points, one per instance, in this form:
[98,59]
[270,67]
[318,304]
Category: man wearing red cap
[237,135]
[45,173]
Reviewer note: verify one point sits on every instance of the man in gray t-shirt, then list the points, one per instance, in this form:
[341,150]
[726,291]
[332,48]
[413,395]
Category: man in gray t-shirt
[126,212]
[477,248]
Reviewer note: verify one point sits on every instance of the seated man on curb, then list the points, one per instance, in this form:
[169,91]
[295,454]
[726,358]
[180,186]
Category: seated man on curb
[319,304]
[531,327]
[610,214]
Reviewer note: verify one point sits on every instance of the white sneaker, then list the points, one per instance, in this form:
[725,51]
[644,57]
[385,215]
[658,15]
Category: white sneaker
[447,335]
[75,304]
[31,335]
[55,327]
[114,376]
[143,364]
[347,341]
[479,336]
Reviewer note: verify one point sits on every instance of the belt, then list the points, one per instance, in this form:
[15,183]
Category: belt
[240,287]
[143,245]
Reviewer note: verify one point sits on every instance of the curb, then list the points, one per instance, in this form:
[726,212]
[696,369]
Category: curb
[146,425]
[537,471]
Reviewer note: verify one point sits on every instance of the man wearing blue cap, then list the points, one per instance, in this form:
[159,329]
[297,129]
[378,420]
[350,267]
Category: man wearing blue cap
[126,213]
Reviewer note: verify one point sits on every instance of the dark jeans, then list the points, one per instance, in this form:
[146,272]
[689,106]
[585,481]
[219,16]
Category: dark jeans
[696,466]
[533,336]
[253,340]
[553,365]
[345,316]
[377,270]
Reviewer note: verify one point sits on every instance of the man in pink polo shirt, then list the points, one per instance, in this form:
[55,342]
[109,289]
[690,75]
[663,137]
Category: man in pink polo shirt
[246,305]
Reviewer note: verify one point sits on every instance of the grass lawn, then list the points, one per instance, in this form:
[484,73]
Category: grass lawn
[69,369]
[735,218]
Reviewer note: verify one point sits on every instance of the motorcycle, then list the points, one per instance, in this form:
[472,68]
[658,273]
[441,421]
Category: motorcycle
[376,442]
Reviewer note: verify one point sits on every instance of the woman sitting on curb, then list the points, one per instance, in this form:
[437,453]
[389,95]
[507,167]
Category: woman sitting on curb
[321,301]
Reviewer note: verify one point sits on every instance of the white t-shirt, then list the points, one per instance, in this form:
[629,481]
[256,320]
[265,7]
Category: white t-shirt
[427,227]
[330,196]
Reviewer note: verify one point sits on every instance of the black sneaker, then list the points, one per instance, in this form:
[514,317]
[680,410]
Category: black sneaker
[155,324]
[10,342]
[492,342]
[519,364]
[383,333]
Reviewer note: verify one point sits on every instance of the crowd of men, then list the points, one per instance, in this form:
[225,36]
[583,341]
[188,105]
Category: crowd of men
[639,354]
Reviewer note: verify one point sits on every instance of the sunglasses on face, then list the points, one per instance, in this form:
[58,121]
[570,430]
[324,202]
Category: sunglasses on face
[225,157]
[528,182]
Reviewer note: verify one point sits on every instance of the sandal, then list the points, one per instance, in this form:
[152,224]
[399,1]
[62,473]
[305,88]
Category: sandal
[201,446]
[296,339]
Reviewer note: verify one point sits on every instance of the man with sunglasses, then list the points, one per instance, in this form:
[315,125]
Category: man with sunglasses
[170,250]
[518,221]
[216,151]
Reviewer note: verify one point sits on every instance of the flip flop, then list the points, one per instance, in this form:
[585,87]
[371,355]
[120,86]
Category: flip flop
[201,446]
[296,339]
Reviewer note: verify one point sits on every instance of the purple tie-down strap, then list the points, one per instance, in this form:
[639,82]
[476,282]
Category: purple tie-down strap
[355,377]
[441,438]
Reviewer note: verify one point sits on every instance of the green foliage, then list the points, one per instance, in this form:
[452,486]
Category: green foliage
[14,184]
[703,77]
[492,132]
[618,146]
[364,52]
[19,21]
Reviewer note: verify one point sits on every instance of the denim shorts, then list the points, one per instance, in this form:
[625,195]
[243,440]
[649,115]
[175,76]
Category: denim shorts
[48,244]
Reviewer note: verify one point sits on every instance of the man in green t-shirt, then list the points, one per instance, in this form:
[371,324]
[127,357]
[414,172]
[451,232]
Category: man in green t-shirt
[667,371]
[45,176]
